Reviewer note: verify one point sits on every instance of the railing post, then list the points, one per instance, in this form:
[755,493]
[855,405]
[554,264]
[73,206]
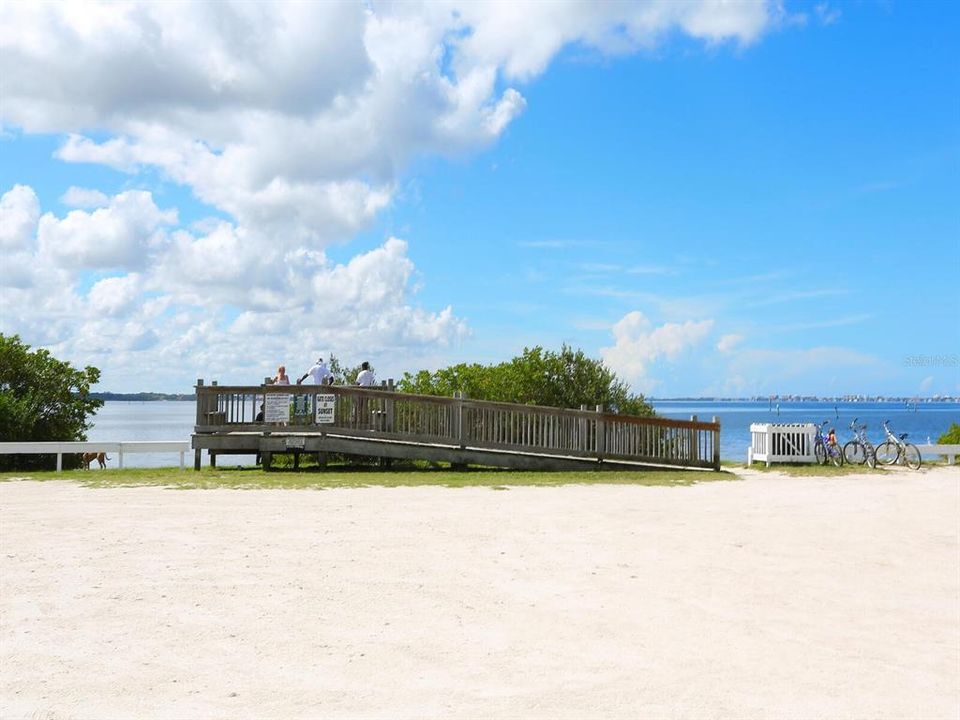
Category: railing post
[716,444]
[197,390]
[582,425]
[458,396]
[601,434]
[769,442]
[694,436]
[389,407]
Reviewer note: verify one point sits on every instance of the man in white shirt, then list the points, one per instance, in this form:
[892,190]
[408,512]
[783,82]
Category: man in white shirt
[366,378]
[319,372]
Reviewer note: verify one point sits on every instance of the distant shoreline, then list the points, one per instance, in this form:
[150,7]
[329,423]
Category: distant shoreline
[141,397]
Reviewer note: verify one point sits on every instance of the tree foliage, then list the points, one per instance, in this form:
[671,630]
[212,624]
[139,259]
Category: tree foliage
[41,399]
[951,436]
[566,379]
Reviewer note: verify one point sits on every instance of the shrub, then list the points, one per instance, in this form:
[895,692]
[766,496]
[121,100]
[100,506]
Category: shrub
[565,379]
[951,436]
[41,399]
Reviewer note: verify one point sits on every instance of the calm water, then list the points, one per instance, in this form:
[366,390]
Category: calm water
[923,421]
[173,420]
[156,420]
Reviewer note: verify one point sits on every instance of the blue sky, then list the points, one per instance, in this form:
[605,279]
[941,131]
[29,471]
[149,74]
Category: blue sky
[727,200]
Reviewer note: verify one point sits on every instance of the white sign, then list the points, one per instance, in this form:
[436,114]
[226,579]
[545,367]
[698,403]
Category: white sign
[276,407]
[326,404]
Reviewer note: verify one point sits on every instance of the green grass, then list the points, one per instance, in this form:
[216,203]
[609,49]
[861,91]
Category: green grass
[252,478]
[813,469]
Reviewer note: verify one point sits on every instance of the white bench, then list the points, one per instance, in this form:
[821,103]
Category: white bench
[951,451]
[77,447]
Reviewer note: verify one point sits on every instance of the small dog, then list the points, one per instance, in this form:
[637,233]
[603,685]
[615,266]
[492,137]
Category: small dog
[87,458]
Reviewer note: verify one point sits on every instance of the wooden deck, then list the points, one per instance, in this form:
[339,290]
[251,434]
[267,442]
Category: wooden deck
[387,424]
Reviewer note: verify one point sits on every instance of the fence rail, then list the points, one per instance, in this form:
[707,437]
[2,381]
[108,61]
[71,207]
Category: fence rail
[76,447]
[948,451]
[457,422]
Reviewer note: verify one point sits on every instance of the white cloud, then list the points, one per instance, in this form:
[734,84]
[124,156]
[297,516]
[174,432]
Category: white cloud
[114,296]
[294,120]
[19,214]
[174,305]
[638,344]
[117,236]
[728,342]
[84,198]
[523,38]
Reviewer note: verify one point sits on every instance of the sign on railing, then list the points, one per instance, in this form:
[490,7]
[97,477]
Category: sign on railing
[277,407]
[326,407]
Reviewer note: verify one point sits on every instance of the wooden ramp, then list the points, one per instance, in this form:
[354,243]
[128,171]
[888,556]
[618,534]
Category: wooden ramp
[382,423]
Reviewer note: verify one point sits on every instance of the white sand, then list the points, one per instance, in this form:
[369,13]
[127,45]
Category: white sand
[774,597]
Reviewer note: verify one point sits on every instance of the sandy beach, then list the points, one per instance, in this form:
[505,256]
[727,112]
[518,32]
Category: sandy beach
[766,597]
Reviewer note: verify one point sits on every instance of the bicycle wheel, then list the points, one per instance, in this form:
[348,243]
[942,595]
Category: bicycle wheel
[835,455]
[820,452]
[887,453]
[911,456]
[854,453]
[871,456]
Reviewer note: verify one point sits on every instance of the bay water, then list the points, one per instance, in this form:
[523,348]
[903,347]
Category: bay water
[173,420]
[923,421]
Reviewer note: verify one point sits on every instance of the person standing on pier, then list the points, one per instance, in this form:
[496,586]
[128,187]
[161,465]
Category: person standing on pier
[281,378]
[319,372]
[366,378]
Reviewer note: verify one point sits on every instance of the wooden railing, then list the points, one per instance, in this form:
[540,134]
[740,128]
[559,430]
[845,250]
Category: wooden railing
[463,423]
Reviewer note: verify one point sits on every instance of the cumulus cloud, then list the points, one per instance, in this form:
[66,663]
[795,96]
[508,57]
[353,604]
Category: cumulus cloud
[638,344]
[175,304]
[115,295]
[296,117]
[292,120]
[117,236]
[19,214]
[84,198]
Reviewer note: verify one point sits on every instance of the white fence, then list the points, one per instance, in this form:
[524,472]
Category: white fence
[951,451]
[782,442]
[61,448]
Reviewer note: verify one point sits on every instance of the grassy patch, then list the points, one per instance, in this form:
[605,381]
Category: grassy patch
[813,469]
[243,478]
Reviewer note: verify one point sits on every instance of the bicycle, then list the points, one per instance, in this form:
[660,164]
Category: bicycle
[895,450]
[860,450]
[824,450]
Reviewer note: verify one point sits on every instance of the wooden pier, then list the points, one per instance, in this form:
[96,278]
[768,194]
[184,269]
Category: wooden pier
[382,423]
